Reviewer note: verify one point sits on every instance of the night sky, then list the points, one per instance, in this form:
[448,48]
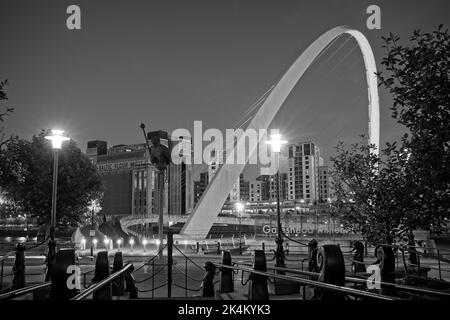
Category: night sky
[168,63]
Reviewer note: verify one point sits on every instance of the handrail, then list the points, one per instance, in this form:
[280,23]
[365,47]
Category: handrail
[326,286]
[363,281]
[21,291]
[31,288]
[100,284]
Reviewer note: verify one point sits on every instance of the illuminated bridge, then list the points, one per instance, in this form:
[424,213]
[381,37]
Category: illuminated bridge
[213,198]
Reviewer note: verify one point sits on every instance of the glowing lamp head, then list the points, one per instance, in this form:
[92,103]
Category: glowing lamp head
[95,206]
[106,241]
[119,241]
[131,241]
[239,206]
[144,242]
[276,142]
[83,240]
[95,241]
[57,138]
[158,242]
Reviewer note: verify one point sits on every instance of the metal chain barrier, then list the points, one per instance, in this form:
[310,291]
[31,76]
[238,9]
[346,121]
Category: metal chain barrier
[153,289]
[189,259]
[185,288]
[146,263]
[152,276]
[189,277]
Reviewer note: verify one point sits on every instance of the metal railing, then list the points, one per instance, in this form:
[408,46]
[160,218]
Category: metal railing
[399,287]
[101,284]
[22,291]
[316,284]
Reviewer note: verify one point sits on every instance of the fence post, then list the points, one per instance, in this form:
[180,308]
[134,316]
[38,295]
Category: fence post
[18,280]
[102,272]
[226,281]
[130,285]
[257,289]
[208,280]
[185,276]
[312,256]
[153,278]
[1,276]
[169,262]
[358,257]
[118,284]
[385,257]
[64,259]
[439,264]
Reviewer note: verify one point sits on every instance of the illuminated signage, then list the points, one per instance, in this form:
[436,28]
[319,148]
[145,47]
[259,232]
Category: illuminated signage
[115,166]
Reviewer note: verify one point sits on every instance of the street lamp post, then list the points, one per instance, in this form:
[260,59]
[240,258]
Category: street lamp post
[276,144]
[57,138]
[94,206]
[160,157]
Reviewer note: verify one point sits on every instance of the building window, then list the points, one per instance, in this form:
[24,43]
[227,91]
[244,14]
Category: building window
[145,179]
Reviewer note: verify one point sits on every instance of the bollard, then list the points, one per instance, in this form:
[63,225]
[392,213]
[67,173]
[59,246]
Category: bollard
[208,280]
[51,253]
[65,275]
[118,284]
[257,289]
[102,272]
[218,247]
[312,256]
[331,264]
[18,269]
[386,260]
[413,257]
[130,283]
[263,247]
[358,256]
[226,280]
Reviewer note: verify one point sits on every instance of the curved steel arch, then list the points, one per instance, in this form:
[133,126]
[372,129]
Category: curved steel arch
[210,204]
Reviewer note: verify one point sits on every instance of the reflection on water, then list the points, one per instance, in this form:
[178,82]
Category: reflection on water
[8,243]
[18,239]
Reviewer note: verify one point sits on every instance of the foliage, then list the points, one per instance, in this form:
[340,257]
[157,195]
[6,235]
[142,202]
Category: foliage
[369,191]
[6,112]
[26,175]
[419,81]
[408,186]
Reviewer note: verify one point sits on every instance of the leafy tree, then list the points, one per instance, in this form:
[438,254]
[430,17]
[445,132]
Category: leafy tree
[408,186]
[419,80]
[7,110]
[26,173]
[371,191]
